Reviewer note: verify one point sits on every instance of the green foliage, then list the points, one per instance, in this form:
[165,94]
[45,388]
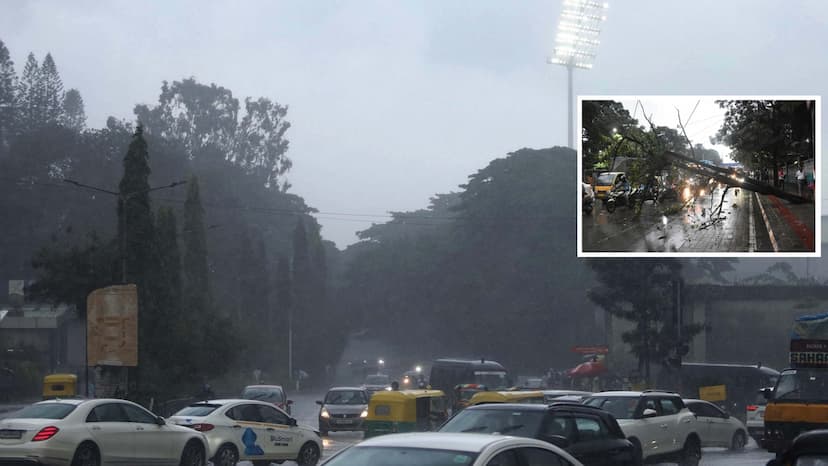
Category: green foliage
[489,267]
[135,228]
[51,89]
[601,119]
[74,115]
[8,98]
[29,96]
[767,133]
[642,291]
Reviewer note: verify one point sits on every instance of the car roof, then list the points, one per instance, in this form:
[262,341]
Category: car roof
[632,393]
[339,389]
[554,405]
[74,401]
[227,401]
[263,386]
[467,442]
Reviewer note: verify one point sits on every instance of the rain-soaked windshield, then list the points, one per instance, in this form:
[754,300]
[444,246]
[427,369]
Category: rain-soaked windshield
[343,397]
[202,196]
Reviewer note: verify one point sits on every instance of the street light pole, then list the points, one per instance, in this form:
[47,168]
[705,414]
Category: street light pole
[576,44]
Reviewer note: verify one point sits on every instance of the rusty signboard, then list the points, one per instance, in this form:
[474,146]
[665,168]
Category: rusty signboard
[112,326]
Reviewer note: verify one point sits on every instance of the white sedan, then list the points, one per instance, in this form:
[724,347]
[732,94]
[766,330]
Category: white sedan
[250,430]
[97,432]
[716,427]
[439,448]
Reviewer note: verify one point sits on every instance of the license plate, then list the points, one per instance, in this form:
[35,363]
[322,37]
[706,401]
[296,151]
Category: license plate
[344,421]
[10,434]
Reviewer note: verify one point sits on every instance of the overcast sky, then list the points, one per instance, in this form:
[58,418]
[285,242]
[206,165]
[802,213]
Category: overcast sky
[394,101]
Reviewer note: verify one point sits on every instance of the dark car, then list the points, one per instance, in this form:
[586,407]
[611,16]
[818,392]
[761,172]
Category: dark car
[274,394]
[807,449]
[590,434]
[344,408]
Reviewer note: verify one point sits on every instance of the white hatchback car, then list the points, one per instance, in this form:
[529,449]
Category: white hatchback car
[96,432]
[439,448]
[250,430]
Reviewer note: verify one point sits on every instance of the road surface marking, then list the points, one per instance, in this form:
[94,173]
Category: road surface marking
[800,229]
[767,224]
[752,231]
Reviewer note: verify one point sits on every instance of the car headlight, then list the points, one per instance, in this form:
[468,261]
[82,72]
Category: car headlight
[364,413]
[324,413]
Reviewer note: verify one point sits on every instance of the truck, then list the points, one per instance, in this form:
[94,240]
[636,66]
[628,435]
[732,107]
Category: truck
[799,400]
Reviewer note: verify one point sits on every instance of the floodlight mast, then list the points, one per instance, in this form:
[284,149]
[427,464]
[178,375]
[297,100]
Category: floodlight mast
[577,43]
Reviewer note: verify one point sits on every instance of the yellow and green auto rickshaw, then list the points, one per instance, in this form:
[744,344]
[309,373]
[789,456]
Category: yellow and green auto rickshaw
[405,411]
[535,396]
[60,386]
[463,393]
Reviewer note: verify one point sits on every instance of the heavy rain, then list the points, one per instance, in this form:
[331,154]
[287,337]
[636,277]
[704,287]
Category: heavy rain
[351,233]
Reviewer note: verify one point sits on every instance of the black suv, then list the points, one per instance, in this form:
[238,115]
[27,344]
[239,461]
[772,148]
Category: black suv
[590,434]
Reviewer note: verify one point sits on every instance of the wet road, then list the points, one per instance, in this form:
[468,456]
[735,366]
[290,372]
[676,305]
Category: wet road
[690,224]
[305,411]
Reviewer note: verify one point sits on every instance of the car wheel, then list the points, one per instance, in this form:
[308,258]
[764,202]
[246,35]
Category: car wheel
[193,455]
[86,455]
[739,441]
[226,456]
[691,453]
[308,455]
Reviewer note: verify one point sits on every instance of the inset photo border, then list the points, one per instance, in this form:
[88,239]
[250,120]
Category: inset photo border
[699,176]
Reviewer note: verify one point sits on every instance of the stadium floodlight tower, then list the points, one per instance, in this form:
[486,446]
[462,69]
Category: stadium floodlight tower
[577,43]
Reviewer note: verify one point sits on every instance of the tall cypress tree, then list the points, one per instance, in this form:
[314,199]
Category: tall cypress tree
[8,99]
[28,96]
[135,231]
[51,92]
[73,116]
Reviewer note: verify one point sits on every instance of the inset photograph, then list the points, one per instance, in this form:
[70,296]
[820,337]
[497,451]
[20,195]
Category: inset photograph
[699,176]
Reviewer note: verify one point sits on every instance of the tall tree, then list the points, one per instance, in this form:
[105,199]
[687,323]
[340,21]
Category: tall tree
[281,309]
[135,228]
[260,143]
[8,100]
[51,92]
[74,115]
[642,291]
[29,96]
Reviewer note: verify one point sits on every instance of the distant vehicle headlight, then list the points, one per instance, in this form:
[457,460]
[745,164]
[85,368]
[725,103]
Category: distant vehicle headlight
[324,413]
[364,413]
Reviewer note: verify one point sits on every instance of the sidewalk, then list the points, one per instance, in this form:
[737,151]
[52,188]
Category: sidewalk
[793,225]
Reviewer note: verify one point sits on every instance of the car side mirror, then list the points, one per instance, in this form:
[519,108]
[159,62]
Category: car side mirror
[292,422]
[558,440]
[649,413]
[160,421]
[317,402]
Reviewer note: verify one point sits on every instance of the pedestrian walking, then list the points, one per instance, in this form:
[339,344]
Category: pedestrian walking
[800,180]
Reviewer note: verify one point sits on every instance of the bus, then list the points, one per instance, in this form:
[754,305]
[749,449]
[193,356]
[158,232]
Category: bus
[735,386]
[448,373]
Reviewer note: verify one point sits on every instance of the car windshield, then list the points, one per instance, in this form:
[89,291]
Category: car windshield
[377,380]
[622,407]
[346,397]
[401,456]
[802,384]
[46,411]
[605,179]
[494,380]
[812,460]
[496,421]
[198,410]
[265,394]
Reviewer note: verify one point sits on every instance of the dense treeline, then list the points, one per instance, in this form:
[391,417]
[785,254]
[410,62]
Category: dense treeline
[489,271]
[221,261]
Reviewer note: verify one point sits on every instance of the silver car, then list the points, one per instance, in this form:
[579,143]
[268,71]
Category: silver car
[344,408]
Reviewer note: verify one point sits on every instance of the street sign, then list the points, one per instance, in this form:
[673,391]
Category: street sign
[597,349]
[713,393]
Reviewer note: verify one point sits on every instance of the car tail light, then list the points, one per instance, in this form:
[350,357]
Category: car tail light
[752,407]
[204,427]
[45,434]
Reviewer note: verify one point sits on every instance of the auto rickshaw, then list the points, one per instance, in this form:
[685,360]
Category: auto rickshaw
[464,392]
[535,396]
[60,386]
[405,411]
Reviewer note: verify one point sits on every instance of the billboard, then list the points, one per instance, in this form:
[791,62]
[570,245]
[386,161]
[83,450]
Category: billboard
[112,326]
